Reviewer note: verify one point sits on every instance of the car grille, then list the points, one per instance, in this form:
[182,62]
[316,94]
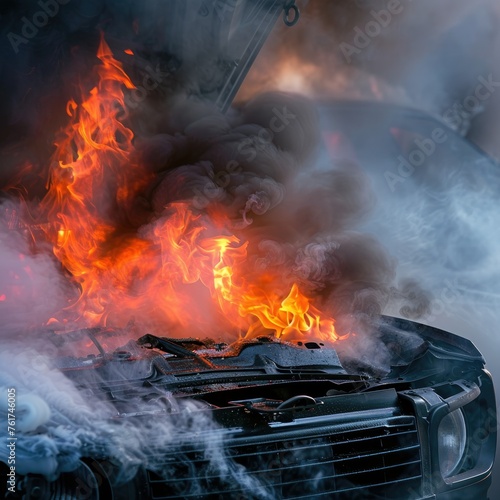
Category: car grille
[364,459]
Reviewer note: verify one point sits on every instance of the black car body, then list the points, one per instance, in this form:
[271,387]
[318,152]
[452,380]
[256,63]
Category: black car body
[300,424]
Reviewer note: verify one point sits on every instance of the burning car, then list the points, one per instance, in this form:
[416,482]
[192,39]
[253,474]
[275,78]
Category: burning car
[216,323]
[291,417]
[293,421]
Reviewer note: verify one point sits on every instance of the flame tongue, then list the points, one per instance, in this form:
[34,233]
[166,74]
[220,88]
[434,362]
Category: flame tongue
[89,163]
[170,272]
[290,318]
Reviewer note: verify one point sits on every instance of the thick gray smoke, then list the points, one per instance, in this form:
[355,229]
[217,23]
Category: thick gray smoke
[32,287]
[259,167]
[429,55]
[58,424]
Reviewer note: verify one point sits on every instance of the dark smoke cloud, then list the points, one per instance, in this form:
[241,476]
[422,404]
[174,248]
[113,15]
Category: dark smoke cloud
[298,214]
[431,55]
[256,165]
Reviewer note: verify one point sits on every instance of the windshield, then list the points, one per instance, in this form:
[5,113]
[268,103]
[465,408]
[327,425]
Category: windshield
[436,208]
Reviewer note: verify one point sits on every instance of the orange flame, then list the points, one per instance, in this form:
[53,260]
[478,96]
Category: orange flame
[177,266]
[287,318]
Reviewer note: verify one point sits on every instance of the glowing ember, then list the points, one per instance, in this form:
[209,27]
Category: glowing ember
[177,265]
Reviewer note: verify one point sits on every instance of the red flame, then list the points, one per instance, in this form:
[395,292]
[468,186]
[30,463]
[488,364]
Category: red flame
[176,265]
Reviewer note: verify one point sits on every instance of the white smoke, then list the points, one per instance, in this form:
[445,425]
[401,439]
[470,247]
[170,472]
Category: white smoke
[32,287]
[57,424]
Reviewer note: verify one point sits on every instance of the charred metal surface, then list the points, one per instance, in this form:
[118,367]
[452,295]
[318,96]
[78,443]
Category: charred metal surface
[282,405]
[301,419]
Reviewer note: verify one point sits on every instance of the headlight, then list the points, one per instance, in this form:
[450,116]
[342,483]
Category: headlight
[452,436]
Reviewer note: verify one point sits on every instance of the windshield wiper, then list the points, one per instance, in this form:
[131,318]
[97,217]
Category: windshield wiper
[150,341]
